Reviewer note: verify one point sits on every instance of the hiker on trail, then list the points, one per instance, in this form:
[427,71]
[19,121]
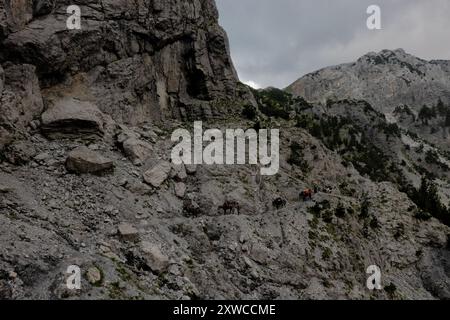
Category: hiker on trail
[306,194]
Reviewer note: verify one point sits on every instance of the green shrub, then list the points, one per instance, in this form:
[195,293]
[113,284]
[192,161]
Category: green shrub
[432,157]
[374,224]
[327,216]
[340,210]
[426,114]
[249,112]
[428,200]
[274,102]
[297,156]
[391,289]
[326,254]
[422,215]
[365,206]
[315,210]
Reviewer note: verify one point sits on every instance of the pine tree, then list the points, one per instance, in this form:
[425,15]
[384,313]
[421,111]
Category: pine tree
[441,108]
[426,114]
[447,119]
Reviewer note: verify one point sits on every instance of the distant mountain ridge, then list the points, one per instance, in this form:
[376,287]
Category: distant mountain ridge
[386,80]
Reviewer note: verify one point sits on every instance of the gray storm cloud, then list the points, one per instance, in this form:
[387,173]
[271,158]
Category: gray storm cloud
[273,43]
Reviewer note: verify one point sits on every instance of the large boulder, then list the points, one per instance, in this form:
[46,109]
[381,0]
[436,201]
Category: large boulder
[127,232]
[154,258]
[136,149]
[180,189]
[178,172]
[158,174]
[84,160]
[72,117]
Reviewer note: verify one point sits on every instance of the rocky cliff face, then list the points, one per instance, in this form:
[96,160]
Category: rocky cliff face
[136,61]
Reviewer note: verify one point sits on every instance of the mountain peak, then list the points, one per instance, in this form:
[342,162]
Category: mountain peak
[387,56]
[398,51]
[385,79]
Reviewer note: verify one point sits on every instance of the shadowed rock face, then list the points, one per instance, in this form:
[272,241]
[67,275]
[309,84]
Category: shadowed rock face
[72,117]
[20,101]
[137,61]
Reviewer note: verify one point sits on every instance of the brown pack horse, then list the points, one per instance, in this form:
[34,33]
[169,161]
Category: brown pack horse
[231,206]
[306,194]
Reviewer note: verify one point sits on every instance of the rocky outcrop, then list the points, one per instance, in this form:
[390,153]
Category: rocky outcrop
[158,174]
[154,258]
[386,80]
[151,60]
[72,117]
[128,232]
[137,150]
[84,160]
[180,190]
[20,100]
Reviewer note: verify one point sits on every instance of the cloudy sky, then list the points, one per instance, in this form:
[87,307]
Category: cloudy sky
[274,42]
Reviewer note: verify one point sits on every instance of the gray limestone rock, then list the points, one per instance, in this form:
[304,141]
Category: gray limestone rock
[84,160]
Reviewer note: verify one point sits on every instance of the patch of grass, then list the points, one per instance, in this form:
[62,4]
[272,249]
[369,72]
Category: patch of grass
[123,273]
[326,254]
[315,210]
[115,292]
[312,235]
[313,224]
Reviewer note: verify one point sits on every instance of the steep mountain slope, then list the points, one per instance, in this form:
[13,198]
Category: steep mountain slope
[157,242]
[410,91]
[85,174]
